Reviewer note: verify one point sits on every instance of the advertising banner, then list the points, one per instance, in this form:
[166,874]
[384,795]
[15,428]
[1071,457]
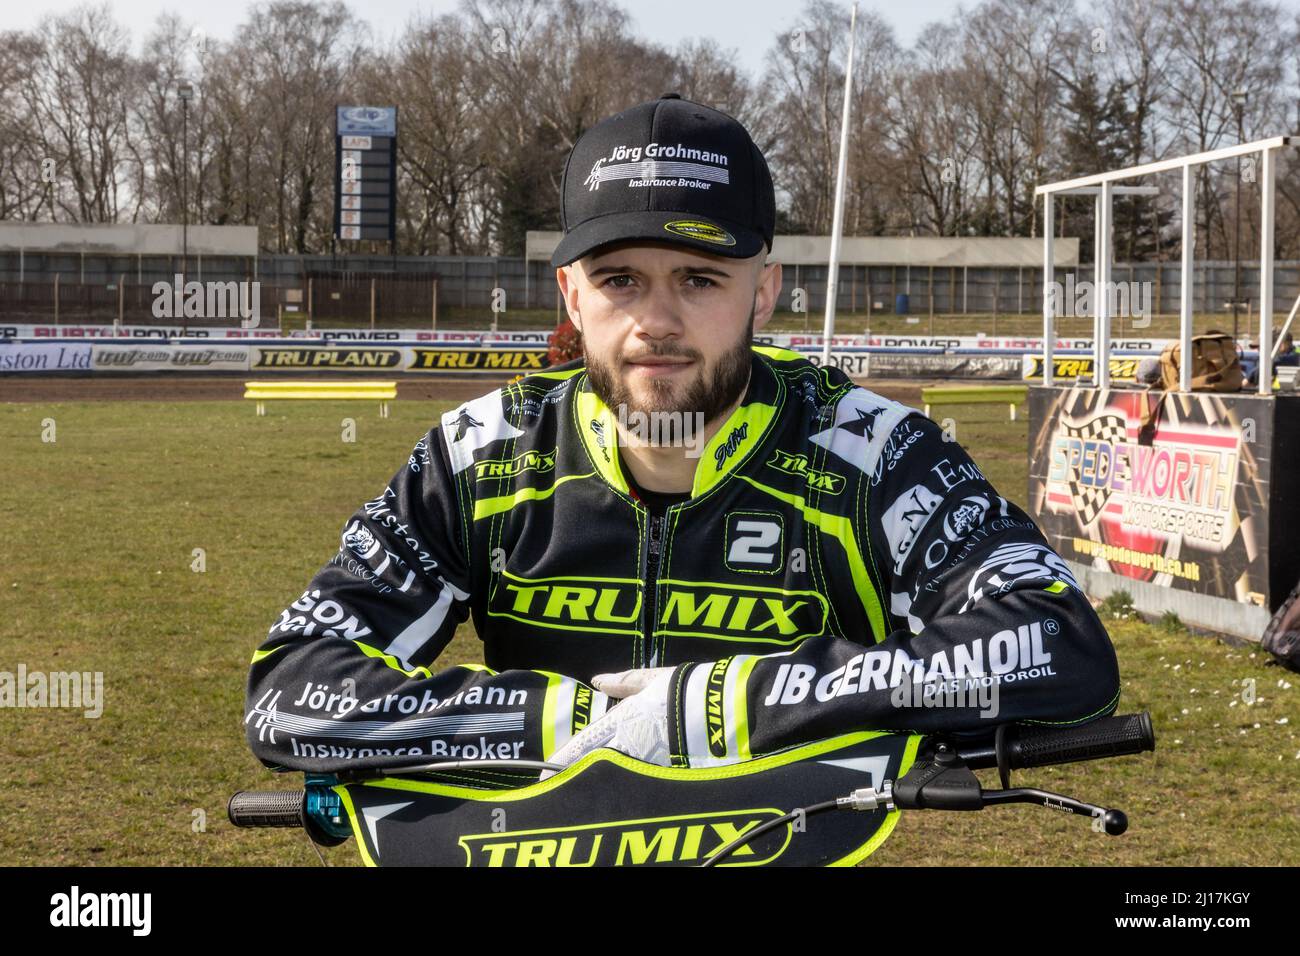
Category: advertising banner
[915,344]
[959,343]
[409,359]
[523,360]
[424,335]
[860,362]
[321,358]
[42,357]
[165,357]
[131,332]
[1171,489]
[1073,367]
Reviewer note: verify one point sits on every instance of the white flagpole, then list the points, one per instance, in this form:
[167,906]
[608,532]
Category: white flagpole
[837,219]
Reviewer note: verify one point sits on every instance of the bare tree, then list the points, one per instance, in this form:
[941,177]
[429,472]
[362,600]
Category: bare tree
[299,58]
[804,79]
[24,190]
[933,139]
[1221,46]
[1009,49]
[949,137]
[238,188]
[77,93]
[170,56]
[1138,45]
[555,68]
[442,150]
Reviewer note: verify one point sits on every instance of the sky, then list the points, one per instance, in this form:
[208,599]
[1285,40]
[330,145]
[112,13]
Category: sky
[748,26]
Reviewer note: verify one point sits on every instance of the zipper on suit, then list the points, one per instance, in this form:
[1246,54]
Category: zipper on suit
[649,606]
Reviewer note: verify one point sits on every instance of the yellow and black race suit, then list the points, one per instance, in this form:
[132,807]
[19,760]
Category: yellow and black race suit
[840,565]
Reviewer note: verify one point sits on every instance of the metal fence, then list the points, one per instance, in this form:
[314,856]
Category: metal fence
[351,298]
[410,290]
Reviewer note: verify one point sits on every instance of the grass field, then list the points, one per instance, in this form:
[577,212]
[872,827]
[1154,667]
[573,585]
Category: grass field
[100,531]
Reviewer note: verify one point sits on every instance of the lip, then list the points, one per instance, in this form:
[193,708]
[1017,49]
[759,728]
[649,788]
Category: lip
[660,360]
[659,364]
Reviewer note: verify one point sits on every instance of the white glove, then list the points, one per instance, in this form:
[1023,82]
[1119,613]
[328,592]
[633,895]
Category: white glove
[637,726]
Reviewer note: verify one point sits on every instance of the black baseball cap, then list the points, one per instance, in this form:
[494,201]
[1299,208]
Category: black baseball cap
[669,170]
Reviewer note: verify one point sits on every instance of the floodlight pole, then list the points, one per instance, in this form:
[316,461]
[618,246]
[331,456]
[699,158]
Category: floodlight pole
[185,91]
[1049,277]
[185,183]
[837,217]
[1238,102]
[1185,283]
[1266,209]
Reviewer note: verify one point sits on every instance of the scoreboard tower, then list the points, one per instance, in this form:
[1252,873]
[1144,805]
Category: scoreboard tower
[365,173]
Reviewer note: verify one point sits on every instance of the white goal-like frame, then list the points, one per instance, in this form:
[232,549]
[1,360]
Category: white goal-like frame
[1103,186]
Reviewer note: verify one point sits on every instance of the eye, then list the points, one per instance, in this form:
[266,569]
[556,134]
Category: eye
[707,282]
[615,281]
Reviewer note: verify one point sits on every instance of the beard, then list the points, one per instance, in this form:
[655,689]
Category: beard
[711,392]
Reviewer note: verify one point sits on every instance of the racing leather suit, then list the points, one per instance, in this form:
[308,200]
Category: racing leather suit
[840,565]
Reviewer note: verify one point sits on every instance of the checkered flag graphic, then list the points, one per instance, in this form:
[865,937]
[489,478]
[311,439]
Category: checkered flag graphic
[1089,500]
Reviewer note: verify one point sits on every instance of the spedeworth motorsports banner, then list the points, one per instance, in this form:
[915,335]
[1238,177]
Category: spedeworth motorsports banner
[1180,503]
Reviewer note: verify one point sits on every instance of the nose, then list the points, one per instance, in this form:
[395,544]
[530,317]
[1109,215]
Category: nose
[659,315]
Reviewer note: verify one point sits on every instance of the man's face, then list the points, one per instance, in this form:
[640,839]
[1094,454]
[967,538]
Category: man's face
[668,329]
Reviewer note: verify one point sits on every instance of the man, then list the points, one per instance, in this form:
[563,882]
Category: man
[751,550]
[1286,353]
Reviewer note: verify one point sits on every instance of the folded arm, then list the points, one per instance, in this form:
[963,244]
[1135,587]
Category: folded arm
[344,678]
[990,627]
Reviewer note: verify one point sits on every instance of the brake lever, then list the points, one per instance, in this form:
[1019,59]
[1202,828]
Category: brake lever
[945,782]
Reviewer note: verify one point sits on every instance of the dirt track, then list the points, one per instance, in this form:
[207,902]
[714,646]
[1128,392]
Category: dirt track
[177,388]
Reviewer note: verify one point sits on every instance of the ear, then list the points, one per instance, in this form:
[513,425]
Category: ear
[766,294]
[568,283]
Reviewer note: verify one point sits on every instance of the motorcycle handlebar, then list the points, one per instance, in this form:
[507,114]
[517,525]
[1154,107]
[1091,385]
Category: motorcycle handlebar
[1038,747]
[268,808]
[1022,746]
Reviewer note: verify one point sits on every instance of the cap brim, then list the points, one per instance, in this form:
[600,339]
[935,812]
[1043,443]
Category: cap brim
[707,234]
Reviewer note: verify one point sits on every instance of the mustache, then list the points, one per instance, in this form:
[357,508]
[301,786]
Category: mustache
[664,351]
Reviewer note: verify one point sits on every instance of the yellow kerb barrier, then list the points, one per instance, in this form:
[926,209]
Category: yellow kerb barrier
[1011,395]
[382,392]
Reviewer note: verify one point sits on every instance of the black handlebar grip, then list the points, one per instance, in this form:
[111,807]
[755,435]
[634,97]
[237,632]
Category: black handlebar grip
[1105,737]
[267,808]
